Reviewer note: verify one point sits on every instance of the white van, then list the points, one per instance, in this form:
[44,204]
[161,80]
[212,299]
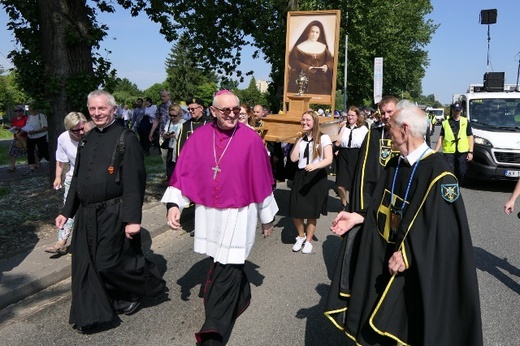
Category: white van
[495,120]
[438,112]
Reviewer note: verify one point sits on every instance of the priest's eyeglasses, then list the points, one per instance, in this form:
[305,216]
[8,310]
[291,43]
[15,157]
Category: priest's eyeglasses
[226,111]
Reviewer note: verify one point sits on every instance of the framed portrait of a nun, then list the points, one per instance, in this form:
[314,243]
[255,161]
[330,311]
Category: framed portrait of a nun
[311,52]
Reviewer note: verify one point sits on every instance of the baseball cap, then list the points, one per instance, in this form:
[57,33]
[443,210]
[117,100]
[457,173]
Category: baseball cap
[456,106]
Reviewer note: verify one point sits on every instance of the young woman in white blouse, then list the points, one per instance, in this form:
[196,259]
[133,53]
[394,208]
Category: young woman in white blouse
[309,193]
[350,139]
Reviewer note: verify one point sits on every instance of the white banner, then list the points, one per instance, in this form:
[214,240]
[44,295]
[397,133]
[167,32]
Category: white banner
[378,79]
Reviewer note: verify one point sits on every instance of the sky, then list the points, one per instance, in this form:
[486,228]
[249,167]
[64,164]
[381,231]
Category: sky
[457,51]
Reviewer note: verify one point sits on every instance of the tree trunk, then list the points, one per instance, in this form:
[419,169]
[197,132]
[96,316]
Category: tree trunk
[67,56]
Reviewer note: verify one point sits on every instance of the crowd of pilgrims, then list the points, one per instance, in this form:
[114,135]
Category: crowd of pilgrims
[307,165]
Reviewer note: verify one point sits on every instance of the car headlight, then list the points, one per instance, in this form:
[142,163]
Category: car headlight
[482,141]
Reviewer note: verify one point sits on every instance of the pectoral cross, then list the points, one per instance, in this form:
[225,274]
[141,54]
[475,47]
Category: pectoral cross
[216,169]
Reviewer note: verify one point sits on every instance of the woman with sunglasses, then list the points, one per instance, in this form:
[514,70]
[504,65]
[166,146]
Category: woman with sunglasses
[170,135]
[75,125]
[18,147]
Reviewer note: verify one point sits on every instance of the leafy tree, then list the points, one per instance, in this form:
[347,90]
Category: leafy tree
[251,95]
[154,91]
[229,84]
[10,93]
[59,62]
[126,92]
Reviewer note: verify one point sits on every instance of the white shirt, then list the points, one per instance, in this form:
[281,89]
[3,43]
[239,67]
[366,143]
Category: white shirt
[150,111]
[170,127]
[227,234]
[66,150]
[358,135]
[37,122]
[415,155]
[302,162]
[126,114]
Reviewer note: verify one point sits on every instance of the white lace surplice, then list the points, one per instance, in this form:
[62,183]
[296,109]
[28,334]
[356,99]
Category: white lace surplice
[228,234]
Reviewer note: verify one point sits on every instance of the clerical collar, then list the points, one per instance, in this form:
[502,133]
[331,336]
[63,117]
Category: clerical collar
[101,129]
[415,155]
[229,131]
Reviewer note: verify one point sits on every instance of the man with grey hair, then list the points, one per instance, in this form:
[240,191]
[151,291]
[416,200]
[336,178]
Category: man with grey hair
[109,271]
[415,279]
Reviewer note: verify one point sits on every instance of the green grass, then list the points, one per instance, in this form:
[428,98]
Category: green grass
[28,206]
[5,134]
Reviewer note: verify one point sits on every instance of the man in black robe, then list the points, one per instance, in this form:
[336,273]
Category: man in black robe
[374,154]
[198,119]
[415,279]
[109,271]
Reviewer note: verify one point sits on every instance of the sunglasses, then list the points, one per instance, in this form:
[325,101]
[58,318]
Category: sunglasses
[78,130]
[226,111]
[191,109]
[18,110]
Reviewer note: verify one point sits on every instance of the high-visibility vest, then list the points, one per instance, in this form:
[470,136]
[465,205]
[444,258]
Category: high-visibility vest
[449,144]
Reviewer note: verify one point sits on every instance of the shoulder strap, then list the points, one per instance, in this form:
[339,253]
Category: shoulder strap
[119,148]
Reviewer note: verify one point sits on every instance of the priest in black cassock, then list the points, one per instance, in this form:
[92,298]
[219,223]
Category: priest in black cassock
[415,279]
[109,271]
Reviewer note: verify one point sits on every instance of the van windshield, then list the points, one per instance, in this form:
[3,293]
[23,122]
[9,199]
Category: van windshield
[499,113]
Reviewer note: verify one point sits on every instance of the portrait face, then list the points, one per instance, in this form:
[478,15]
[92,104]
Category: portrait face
[307,122]
[352,117]
[195,110]
[258,111]
[77,131]
[164,97]
[101,112]
[243,117]
[174,115]
[314,33]
[387,110]
[226,111]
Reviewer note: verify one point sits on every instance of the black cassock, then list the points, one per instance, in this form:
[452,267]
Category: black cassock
[435,301]
[106,265]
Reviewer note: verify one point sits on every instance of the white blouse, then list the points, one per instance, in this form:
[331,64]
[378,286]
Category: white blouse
[358,135]
[302,162]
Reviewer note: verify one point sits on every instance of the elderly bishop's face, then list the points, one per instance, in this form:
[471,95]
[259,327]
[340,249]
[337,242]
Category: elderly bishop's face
[227,111]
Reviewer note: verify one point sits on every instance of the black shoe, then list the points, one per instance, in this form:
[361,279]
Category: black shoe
[83,329]
[131,308]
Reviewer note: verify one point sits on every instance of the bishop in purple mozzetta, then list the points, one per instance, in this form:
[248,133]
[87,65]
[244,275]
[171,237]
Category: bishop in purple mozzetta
[224,169]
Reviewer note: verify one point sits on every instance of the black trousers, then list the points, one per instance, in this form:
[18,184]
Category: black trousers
[459,164]
[145,142]
[42,146]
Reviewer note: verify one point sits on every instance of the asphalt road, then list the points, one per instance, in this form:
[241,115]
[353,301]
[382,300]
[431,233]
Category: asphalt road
[289,289]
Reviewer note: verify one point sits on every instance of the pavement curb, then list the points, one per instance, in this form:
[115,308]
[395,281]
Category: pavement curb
[30,272]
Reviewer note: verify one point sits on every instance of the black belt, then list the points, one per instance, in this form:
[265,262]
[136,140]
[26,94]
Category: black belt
[99,205]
